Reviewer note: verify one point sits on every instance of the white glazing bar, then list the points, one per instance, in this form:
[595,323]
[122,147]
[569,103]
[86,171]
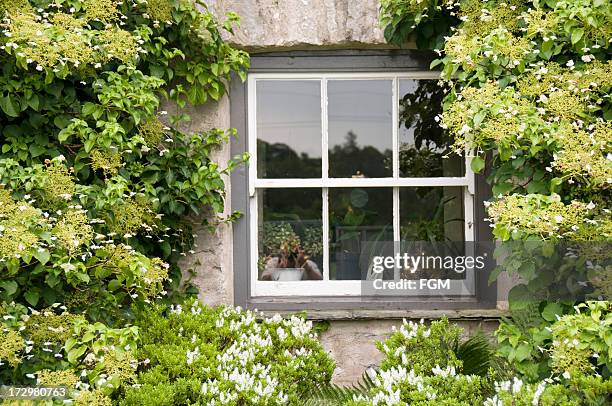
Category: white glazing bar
[324,131]
[349,76]
[254,246]
[395,131]
[324,169]
[396,145]
[325,232]
[470,235]
[396,227]
[252,136]
[468,203]
[345,288]
[360,182]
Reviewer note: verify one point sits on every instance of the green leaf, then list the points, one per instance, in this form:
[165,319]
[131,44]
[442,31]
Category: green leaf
[479,117]
[522,352]
[75,353]
[166,249]
[88,109]
[42,256]
[114,285]
[551,311]
[36,150]
[34,102]
[157,71]
[477,164]
[435,63]
[10,287]
[32,296]
[577,34]
[10,106]
[502,188]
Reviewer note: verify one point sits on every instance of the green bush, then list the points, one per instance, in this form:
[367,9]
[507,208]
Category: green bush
[426,365]
[422,365]
[57,348]
[421,347]
[97,180]
[530,101]
[196,354]
[581,390]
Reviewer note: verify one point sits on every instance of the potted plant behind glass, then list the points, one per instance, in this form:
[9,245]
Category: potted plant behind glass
[283,257]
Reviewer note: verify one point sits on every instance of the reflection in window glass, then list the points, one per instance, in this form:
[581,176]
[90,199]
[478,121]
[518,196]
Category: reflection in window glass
[289,129]
[357,217]
[360,128]
[290,234]
[424,147]
[432,225]
[432,214]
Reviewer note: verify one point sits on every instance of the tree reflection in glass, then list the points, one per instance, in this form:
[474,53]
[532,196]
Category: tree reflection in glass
[288,129]
[424,147]
[360,128]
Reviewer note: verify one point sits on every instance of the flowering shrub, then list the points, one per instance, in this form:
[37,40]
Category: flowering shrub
[225,356]
[582,390]
[421,348]
[406,376]
[530,99]
[58,348]
[96,179]
[421,366]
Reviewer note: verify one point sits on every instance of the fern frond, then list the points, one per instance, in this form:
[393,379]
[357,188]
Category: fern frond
[334,395]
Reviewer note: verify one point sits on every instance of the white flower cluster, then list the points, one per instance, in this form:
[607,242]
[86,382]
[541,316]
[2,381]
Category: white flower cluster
[242,372]
[255,385]
[387,384]
[410,329]
[513,387]
[444,372]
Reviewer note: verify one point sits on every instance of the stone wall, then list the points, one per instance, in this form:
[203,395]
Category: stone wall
[276,25]
[211,264]
[287,24]
[352,343]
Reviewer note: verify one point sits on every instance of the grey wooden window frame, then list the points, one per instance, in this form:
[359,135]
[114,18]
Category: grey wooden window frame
[333,61]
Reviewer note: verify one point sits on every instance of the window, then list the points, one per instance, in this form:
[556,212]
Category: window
[357,157]
[345,153]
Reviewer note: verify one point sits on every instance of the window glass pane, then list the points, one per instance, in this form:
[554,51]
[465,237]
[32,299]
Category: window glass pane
[289,129]
[433,214]
[424,147]
[357,217]
[290,234]
[360,128]
[432,226]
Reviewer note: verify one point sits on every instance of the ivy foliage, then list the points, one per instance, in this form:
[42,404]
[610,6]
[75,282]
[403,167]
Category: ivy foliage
[530,98]
[97,179]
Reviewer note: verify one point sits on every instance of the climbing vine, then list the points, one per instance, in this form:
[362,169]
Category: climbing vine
[530,99]
[96,177]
